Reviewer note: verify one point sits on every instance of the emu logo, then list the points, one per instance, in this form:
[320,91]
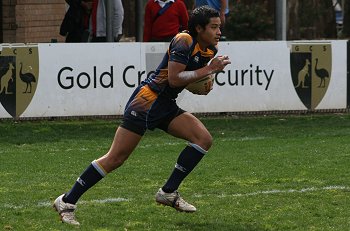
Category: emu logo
[311,66]
[19,73]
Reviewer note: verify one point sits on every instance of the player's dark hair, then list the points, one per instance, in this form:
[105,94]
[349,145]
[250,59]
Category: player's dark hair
[201,16]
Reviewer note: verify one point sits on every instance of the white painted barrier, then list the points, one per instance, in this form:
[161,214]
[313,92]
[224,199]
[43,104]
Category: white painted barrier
[88,79]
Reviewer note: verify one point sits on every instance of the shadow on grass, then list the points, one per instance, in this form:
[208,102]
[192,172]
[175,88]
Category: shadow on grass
[210,226]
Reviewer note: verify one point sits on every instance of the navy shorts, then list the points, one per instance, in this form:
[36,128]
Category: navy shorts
[146,110]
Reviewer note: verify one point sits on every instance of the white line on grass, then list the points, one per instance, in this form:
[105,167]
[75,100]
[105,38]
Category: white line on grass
[277,191]
[268,192]
[160,145]
[242,139]
[49,204]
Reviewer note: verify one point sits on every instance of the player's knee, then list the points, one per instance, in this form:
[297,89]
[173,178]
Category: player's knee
[205,141]
[115,162]
[208,141]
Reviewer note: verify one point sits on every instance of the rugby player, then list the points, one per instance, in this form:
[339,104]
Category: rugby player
[190,57]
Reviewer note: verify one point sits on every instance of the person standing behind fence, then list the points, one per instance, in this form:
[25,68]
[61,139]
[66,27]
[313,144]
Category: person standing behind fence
[164,19]
[219,5]
[76,21]
[98,25]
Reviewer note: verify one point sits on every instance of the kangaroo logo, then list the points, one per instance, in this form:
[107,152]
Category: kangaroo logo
[5,80]
[311,65]
[18,85]
[302,74]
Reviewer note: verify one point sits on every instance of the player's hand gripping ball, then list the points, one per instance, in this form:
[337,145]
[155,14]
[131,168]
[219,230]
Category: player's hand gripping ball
[202,86]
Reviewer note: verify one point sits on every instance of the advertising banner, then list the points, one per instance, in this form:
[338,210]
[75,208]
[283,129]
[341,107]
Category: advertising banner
[89,79]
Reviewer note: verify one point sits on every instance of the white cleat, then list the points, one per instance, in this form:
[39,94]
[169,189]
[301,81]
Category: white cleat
[66,211]
[174,200]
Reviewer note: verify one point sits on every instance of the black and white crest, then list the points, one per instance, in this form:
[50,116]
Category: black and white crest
[19,73]
[311,67]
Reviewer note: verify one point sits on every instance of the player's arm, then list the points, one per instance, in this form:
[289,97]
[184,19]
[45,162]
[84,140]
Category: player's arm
[178,77]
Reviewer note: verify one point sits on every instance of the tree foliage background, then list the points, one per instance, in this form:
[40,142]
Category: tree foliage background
[255,19]
[306,19]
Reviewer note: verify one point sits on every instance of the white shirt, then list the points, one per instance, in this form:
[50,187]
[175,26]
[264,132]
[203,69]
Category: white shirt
[117,18]
[162,3]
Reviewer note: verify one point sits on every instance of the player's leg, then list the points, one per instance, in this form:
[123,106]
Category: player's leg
[123,144]
[187,127]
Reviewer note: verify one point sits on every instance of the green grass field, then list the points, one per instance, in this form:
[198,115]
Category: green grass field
[262,173]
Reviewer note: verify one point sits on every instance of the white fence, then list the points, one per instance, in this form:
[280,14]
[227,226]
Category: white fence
[88,79]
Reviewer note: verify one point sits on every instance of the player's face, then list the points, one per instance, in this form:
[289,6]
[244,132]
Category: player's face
[210,35]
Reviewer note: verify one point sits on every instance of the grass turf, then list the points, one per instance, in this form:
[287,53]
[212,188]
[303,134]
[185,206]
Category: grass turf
[262,173]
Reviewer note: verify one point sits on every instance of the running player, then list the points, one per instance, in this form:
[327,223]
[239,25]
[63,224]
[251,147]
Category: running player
[190,57]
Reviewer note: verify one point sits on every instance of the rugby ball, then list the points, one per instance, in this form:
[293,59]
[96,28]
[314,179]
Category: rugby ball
[202,86]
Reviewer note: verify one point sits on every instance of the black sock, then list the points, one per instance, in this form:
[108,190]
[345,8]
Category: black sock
[188,159]
[93,174]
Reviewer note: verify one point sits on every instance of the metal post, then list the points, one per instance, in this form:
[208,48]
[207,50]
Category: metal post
[281,19]
[1,28]
[139,20]
[348,75]
[109,7]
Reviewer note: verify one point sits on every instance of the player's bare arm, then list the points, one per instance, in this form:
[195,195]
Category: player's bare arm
[178,77]
[206,36]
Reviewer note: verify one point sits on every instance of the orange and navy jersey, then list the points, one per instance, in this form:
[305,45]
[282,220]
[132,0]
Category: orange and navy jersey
[153,105]
[183,49]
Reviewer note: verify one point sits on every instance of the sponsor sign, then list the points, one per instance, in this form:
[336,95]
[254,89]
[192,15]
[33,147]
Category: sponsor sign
[19,75]
[88,79]
[311,69]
